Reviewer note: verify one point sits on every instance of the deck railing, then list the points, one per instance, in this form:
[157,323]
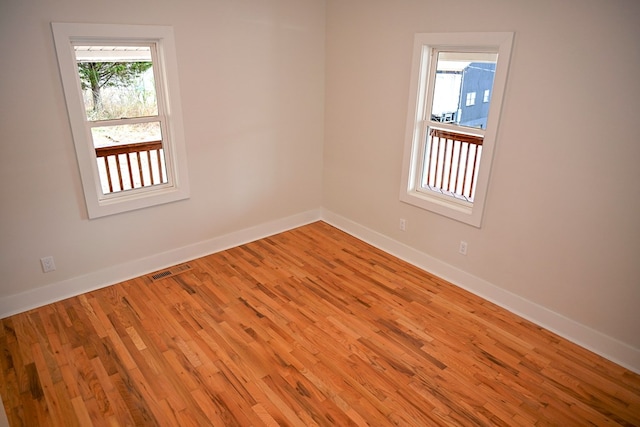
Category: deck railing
[128,166]
[451,163]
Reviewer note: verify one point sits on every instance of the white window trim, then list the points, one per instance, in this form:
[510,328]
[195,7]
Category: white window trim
[173,143]
[469,213]
[471,99]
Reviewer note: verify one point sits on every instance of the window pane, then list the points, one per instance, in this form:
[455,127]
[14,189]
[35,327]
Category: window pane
[117,81]
[129,156]
[459,77]
[451,163]
[105,136]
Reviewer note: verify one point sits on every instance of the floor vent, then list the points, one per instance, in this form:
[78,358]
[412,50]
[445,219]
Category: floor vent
[173,271]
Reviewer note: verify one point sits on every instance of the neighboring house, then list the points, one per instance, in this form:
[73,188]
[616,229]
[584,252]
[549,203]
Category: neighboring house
[470,87]
[477,84]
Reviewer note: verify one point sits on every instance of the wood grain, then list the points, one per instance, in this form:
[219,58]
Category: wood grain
[310,327]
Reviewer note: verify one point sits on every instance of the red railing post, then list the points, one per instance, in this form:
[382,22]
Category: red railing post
[128,150]
[461,166]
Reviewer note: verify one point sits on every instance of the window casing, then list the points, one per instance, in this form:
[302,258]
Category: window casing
[137,169]
[433,174]
[471,99]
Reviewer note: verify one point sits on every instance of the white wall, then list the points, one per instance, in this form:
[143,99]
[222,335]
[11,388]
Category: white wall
[562,220]
[252,83]
[561,228]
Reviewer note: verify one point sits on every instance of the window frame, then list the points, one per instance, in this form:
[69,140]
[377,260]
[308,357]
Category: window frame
[418,121]
[471,99]
[98,204]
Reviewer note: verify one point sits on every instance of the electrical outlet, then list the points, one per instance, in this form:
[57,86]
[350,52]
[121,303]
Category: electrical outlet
[403,224]
[463,247]
[47,264]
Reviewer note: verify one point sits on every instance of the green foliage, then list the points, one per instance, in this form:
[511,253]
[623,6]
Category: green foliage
[98,75]
[105,74]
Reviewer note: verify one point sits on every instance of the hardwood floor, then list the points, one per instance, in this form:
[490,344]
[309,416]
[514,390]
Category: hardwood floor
[308,327]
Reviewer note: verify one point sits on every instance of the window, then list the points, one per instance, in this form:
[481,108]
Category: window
[447,162]
[471,99]
[122,95]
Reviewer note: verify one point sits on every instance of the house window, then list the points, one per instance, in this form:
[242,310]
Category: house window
[471,99]
[120,84]
[447,163]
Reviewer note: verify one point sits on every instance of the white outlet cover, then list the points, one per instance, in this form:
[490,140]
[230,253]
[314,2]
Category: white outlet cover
[48,264]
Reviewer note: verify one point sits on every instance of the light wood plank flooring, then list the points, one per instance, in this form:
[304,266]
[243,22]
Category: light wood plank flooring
[308,327]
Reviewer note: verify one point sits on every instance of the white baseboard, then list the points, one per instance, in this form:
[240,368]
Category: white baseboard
[593,340]
[38,297]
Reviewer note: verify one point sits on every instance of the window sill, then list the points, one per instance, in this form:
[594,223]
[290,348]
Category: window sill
[451,207]
[98,208]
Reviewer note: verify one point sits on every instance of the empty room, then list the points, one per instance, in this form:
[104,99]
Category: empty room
[319,212]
